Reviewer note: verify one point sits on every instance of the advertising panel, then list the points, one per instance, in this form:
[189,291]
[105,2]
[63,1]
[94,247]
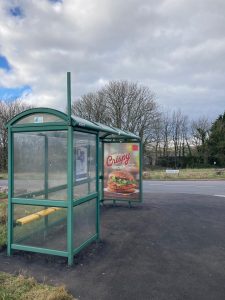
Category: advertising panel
[122,171]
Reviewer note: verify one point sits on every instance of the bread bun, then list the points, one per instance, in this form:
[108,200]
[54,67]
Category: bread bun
[121,182]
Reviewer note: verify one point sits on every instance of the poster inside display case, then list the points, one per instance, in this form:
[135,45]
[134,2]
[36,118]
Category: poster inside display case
[122,171]
[81,170]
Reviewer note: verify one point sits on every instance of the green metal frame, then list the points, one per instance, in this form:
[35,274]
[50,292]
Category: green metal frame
[70,196]
[97,189]
[69,124]
[10,190]
[40,110]
[119,141]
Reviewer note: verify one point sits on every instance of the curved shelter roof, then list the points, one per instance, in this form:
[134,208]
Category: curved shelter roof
[26,118]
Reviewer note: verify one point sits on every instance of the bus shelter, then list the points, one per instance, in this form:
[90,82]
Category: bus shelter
[60,168]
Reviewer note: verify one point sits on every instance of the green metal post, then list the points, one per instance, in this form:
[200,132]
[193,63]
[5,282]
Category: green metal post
[69,176]
[70,196]
[10,192]
[103,175]
[100,164]
[46,179]
[97,188]
[46,167]
[89,155]
[141,170]
[69,97]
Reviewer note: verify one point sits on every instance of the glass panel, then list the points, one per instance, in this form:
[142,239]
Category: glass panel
[40,226]
[40,165]
[84,164]
[57,165]
[84,222]
[39,118]
[29,163]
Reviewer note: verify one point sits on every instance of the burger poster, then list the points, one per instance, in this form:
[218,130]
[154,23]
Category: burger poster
[121,171]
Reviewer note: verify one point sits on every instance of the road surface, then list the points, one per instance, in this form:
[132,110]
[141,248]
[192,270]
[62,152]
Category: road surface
[211,188]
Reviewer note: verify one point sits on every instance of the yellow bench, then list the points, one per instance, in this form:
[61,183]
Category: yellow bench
[37,215]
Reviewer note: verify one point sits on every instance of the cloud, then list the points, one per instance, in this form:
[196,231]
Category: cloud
[176,47]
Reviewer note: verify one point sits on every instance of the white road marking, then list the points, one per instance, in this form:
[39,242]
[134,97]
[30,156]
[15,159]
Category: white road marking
[220,196]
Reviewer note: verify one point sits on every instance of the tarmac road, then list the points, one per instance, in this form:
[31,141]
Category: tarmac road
[201,187]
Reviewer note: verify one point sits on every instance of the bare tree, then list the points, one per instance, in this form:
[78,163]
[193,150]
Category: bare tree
[185,136]
[91,106]
[176,128]
[179,131]
[155,140]
[200,132]
[166,132]
[122,104]
[7,111]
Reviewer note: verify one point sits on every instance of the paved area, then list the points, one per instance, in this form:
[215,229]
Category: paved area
[170,247]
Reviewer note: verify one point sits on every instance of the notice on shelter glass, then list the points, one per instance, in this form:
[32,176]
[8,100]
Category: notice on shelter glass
[121,171]
[38,119]
[81,163]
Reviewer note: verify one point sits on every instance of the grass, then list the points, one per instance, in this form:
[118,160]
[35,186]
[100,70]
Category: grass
[22,288]
[186,174]
[3,224]
[3,175]
[3,195]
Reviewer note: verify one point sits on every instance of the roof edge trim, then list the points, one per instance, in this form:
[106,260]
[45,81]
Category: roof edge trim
[32,111]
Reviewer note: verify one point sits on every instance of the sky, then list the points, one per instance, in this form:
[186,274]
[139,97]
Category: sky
[175,47]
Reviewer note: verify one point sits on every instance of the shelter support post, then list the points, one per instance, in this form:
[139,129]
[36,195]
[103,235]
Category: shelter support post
[69,97]
[70,196]
[10,192]
[97,188]
[141,171]
[46,158]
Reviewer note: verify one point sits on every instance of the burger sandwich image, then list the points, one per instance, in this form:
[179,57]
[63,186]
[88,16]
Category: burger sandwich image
[121,182]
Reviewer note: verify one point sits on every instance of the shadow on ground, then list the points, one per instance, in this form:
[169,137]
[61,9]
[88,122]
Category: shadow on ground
[170,247]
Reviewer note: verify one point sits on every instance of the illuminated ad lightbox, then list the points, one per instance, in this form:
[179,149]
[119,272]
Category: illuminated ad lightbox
[122,171]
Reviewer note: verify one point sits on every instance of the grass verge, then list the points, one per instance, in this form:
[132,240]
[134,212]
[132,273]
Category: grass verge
[3,224]
[22,288]
[186,174]
[3,175]
[3,195]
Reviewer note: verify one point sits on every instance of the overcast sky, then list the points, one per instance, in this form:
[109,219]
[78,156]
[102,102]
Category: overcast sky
[175,47]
